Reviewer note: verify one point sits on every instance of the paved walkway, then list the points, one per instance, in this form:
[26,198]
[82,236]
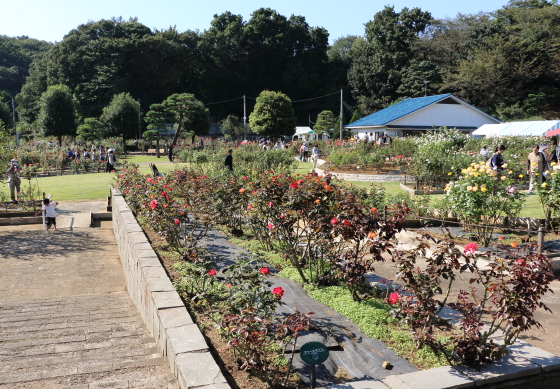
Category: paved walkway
[66,319]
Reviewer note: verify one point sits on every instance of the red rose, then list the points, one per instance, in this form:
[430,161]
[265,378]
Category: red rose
[177,221]
[264,270]
[393,298]
[346,223]
[334,220]
[278,292]
[212,272]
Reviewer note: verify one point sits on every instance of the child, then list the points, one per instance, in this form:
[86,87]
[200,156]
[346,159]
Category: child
[50,213]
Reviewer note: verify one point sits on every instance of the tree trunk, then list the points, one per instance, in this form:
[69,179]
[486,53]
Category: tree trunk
[124,143]
[157,147]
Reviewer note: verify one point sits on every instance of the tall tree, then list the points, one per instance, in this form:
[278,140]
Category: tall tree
[6,115]
[58,112]
[121,116]
[189,113]
[156,118]
[379,62]
[273,115]
[325,122]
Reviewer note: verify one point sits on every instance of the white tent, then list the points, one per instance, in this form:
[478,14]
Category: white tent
[538,128]
[535,128]
[489,129]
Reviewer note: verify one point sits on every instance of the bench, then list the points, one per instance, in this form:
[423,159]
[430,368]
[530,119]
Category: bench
[153,151]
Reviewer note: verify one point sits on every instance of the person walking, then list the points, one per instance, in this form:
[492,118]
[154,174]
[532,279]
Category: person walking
[314,156]
[110,161]
[536,167]
[228,161]
[484,153]
[497,161]
[14,181]
[50,213]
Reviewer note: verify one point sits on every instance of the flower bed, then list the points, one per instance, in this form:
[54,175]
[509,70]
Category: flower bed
[330,235]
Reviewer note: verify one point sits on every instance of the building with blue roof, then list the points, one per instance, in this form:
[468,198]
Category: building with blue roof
[418,115]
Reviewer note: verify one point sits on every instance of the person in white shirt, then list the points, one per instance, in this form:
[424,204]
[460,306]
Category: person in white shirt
[315,156]
[50,213]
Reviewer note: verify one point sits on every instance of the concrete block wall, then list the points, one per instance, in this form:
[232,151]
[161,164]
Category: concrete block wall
[160,306]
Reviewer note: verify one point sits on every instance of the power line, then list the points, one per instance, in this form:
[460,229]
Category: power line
[225,101]
[315,98]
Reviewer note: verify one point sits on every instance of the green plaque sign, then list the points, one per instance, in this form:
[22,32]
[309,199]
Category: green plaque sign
[314,353]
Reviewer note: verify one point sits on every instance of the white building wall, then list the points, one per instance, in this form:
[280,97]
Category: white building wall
[450,115]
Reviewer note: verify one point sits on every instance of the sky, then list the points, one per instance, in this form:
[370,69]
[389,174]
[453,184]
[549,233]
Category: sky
[51,20]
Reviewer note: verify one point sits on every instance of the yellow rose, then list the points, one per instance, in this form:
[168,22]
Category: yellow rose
[477,166]
[503,178]
[533,163]
[553,164]
[504,165]
[544,185]
[521,176]
[464,171]
[483,189]
[449,174]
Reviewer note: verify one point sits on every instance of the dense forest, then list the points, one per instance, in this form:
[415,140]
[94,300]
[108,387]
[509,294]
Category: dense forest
[506,62]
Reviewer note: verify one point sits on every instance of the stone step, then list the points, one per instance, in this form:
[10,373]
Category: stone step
[112,355]
[137,374]
[52,348]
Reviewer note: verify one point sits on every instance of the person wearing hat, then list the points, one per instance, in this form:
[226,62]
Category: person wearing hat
[13,180]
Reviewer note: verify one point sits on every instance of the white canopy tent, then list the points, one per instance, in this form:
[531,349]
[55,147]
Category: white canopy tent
[533,128]
[489,129]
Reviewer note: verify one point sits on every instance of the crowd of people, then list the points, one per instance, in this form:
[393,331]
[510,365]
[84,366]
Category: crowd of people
[539,163]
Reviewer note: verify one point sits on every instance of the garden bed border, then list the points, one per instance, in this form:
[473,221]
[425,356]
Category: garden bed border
[160,306]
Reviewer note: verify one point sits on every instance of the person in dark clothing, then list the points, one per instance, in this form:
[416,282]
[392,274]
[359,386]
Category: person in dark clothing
[228,161]
[554,154]
[170,153]
[497,159]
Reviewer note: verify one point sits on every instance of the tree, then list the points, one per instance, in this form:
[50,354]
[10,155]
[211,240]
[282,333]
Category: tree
[341,47]
[157,117]
[189,113]
[273,115]
[58,112]
[151,135]
[121,116]
[325,122]
[380,62]
[232,127]
[6,115]
[91,130]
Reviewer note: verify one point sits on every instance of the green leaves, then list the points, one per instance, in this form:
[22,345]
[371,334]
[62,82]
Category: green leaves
[273,115]
[58,112]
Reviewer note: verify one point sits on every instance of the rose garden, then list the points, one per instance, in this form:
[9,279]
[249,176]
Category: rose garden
[329,235]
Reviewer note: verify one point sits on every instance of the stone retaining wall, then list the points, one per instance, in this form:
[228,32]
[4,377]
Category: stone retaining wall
[160,306]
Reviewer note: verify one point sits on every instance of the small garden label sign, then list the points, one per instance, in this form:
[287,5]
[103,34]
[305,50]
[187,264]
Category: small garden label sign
[313,353]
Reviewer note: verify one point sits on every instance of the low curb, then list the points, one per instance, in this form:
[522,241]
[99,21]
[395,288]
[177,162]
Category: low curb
[160,306]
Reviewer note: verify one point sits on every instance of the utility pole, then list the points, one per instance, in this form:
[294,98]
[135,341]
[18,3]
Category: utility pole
[139,120]
[14,119]
[244,112]
[341,113]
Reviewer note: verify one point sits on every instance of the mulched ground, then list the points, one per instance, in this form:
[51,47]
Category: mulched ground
[223,354]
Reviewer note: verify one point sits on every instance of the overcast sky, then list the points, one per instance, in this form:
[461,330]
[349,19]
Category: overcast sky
[51,20]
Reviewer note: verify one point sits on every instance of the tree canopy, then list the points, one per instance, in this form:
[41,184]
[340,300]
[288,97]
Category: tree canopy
[58,112]
[325,122]
[273,115]
[121,116]
[506,62]
[188,112]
